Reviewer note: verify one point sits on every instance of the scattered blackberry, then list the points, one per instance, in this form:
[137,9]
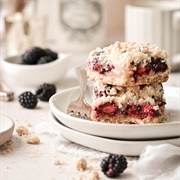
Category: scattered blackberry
[28,100]
[51,53]
[44,60]
[45,91]
[113,165]
[32,55]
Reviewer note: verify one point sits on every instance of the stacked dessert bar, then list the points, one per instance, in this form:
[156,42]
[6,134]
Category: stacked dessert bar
[128,83]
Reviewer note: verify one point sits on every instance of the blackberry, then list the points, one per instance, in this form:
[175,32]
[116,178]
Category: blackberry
[158,65]
[51,53]
[44,60]
[45,91]
[113,165]
[32,55]
[28,100]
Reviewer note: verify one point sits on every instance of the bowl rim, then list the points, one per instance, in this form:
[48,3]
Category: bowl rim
[62,57]
[8,128]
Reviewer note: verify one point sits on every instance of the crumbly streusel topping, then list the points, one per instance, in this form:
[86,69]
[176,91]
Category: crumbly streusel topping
[124,53]
[128,95]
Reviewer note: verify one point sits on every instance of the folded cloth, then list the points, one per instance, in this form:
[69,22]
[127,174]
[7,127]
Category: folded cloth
[160,162]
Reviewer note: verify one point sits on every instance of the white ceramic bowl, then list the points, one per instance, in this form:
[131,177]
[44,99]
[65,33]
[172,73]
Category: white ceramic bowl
[6,128]
[33,75]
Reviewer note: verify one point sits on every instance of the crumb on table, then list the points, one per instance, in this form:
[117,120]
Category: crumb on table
[28,124]
[6,147]
[58,162]
[33,139]
[22,131]
[93,175]
[81,164]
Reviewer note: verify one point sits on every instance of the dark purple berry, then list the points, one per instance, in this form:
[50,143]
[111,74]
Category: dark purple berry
[44,60]
[158,65]
[28,100]
[31,56]
[45,91]
[113,165]
[51,53]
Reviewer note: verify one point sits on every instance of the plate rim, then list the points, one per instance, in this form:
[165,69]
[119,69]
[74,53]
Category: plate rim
[109,140]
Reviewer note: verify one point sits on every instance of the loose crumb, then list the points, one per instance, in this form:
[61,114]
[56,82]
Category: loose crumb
[6,147]
[81,177]
[93,175]
[33,139]
[22,131]
[28,124]
[90,176]
[58,163]
[81,164]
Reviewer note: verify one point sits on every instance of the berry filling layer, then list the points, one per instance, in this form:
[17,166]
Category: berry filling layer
[97,66]
[142,111]
[155,66]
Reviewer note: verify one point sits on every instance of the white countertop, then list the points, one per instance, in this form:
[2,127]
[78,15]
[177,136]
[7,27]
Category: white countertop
[27,162]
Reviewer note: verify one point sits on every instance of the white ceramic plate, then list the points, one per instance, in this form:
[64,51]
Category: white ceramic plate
[114,146]
[6,128]
[171,128]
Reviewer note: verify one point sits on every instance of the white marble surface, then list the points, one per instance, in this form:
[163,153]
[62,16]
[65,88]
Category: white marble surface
[27,162]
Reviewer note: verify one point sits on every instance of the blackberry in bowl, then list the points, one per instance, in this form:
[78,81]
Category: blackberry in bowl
[42,68]
[32,55]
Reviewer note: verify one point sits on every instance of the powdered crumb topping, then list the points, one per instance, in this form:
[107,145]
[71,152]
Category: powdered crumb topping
[127,52]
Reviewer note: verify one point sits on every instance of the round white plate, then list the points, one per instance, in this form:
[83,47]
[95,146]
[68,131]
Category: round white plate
[171,128]
[6,128]
[114,146]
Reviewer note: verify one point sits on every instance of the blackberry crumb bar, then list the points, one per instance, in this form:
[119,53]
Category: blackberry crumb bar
[128,64]
[128,105]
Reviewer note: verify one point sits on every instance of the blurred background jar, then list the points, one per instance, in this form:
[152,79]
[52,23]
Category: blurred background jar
[22,27]
[82,25]
[158,22]
[75,25]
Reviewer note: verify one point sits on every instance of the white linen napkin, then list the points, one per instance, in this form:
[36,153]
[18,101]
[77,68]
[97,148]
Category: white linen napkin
[65,146]
[158,162]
